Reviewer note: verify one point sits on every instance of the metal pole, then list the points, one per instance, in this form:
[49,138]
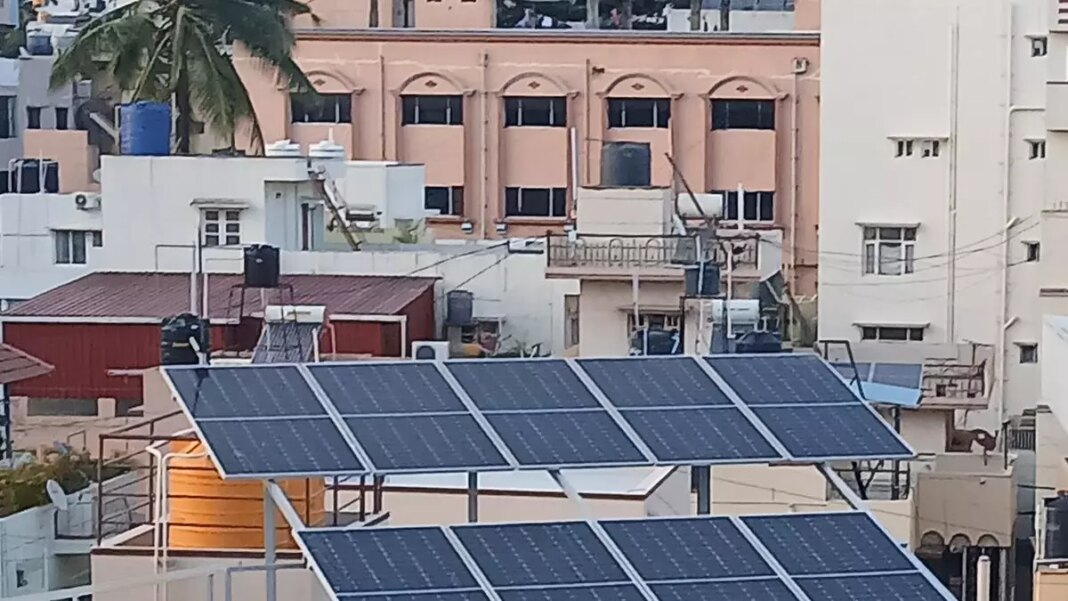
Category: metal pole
[269,542]
[211,587]
[472,497]
[703,473]
[982,579]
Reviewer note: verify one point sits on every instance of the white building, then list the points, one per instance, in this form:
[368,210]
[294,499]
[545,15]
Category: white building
[932,158]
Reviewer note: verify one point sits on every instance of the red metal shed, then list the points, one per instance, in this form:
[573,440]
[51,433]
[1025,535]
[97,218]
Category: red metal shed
[111,321]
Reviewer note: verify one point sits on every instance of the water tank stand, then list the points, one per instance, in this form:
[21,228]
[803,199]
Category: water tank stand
[235,308]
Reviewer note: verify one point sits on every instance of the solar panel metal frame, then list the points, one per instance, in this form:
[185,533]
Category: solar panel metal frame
[259,475]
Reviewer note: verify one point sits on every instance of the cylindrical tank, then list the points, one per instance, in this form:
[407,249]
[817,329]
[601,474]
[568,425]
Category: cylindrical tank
[174,346]
[262,267]
[207,512]
[626,165]
[282,148]
[698,286]
[1057,527]
[459,308]
[145,128]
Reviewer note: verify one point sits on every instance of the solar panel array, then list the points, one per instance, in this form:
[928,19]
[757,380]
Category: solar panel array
[818,557]
[482,415]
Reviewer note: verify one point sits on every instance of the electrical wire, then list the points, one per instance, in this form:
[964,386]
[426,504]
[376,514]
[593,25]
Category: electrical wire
[480,249]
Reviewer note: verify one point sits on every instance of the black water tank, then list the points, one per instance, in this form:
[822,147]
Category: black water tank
[626,165]
[459,308]
[706,287]
[1057,527]
[262,267]
[758,342]
[174,346]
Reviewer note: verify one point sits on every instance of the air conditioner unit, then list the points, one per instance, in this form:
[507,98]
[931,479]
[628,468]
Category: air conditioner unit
[86,201]
[430,350]
[800,65]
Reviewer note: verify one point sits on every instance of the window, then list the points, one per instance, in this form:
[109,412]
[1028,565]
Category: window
[889,250]
[535,111]
[743,114]
[904,148]
[652,321]
[930,148]
[321,108]
[71,245]
[1032,251]
[432,110]
[1028,353]
[756,206]
[1036,149]
[535,202]
[896,334]
[33,117]
[1039,46]
[61,117]
[926,148]
[639,112]
[445,199]
[221,227]
[7,117]
[73,407]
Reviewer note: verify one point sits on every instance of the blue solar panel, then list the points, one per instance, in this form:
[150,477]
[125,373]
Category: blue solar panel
[781,379]
[411,387]
[615,592]
[862,371]
[394,561]
[654,382]
[830,543]
[888,587]
[835,431]
[540,554]
[522,385]
[279,446]
[908,375]
[565,438]
[747,590]
[467,596]
[687,549]
[244,392]
[699,435]
[426,442]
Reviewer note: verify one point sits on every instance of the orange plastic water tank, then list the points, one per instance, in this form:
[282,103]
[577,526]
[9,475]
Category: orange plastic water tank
[207,512]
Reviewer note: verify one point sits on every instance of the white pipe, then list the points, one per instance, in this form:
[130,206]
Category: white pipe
[159,530]
[982,579]
[730,292]
[574,168]
[484,154]
[951,233]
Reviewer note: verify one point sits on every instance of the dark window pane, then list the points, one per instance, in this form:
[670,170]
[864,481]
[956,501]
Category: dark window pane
[456,110]
[211,240]
[408,104]
[893,334]
[511,201]
[868,333]
[750,209]
[559,106]
[743,114]
[638,113]
[233,215]
[62,247]
[7,113]
[458,200]
[33,117]
[233,228]
[232,240]
[437,198]
[663,113]
[511,111]
[211,228]
[719,114]
[98,239]
[615,112]
[211,215]
[321,108]
[61,118]
[916,334]
[767,206]
[77,244]
[910,233]
[559,208]
[534,202]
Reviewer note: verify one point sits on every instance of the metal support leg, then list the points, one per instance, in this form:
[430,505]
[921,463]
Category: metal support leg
[269,543]
[472,497]
[703,474]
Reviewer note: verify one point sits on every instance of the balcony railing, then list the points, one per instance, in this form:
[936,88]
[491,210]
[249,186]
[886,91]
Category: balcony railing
[644,252]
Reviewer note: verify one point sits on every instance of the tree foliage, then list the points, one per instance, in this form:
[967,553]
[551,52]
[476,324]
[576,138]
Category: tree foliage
[24,487]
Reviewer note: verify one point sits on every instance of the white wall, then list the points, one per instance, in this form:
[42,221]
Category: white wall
[743,21]
[896,80]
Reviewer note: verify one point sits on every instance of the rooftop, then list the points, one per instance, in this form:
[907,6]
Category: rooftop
[153,296]
[16,365]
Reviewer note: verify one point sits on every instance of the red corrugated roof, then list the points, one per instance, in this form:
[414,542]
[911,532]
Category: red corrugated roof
[159,295]
[16,365]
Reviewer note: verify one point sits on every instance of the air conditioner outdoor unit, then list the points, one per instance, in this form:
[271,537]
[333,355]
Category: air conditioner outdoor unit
[86,201]
[430,350]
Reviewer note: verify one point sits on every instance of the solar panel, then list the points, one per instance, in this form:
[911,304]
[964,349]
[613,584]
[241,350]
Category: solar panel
[572,438]
[522,385]
[700,435]
[274,391]
[828,431]
[863,370]
[411,387]
[286,342]
[653,382]
[540,554]
[879,587]
[573,593]
[830,543]
[908,375]
[286,446]
[425,442]
[396,560]
[746,590]
[466,596]
[781,379]
[687,549]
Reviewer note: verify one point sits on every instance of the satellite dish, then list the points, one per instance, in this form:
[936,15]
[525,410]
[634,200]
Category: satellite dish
[56,494]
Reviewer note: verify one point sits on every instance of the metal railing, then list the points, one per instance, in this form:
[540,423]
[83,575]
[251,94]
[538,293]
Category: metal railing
[631,252]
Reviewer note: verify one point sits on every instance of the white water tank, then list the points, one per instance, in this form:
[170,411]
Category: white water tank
[327,149]
[742,311]
[282,148]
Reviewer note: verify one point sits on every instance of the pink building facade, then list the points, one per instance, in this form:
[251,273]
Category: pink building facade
[510,123]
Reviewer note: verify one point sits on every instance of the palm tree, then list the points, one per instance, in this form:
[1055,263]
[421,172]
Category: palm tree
[180,50]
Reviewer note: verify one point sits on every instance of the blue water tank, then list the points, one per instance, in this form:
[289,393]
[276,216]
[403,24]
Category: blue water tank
[145,128]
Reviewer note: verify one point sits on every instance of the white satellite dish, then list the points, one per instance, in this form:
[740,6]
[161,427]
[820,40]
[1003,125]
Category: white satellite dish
[56,494]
